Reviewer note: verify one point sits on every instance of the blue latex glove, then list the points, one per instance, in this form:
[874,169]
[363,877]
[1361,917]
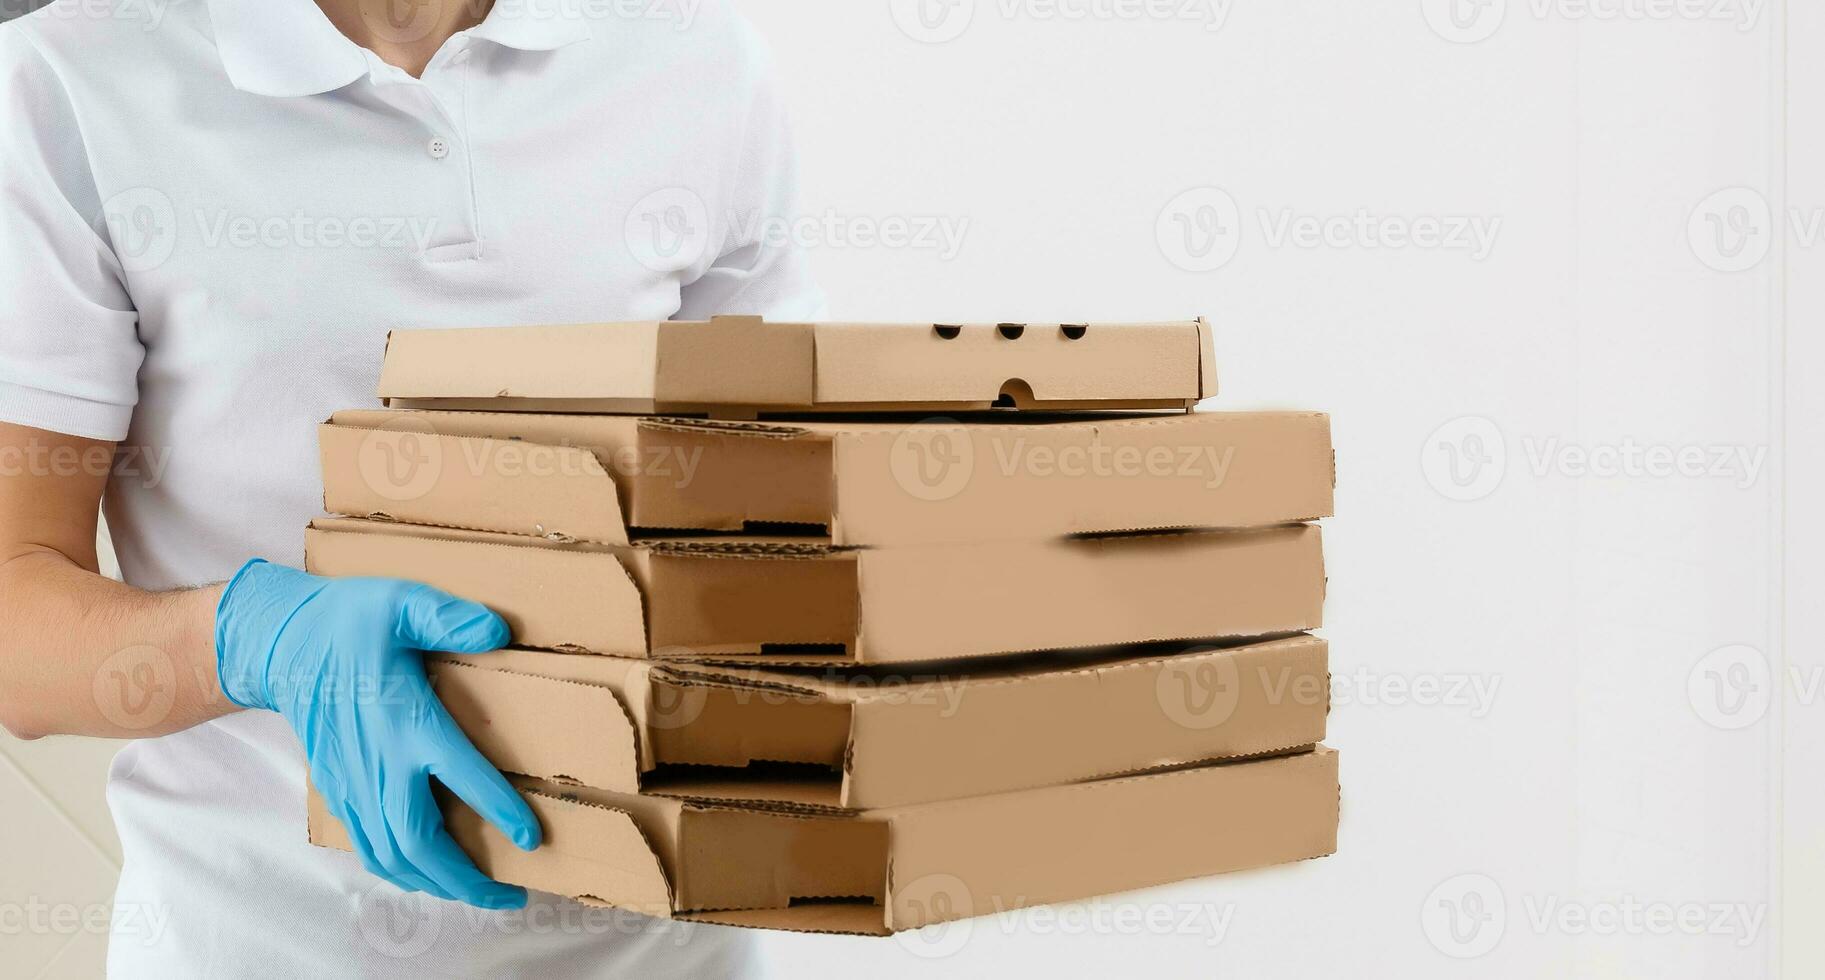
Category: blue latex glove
[341,660]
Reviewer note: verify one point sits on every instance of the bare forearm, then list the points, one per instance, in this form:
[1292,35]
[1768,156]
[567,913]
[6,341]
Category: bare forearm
[84,655]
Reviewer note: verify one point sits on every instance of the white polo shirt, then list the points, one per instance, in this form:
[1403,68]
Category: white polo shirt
[211,213]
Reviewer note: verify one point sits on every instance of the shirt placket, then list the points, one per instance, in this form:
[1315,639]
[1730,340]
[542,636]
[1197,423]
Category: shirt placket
[438,103]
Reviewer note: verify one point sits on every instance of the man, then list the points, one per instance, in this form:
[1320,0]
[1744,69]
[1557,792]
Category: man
[211,212]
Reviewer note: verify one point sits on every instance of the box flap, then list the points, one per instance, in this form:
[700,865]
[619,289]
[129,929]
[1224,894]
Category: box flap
[590,851]
[737,360]
[737,858]
[541,726]
[405,470]
[550,598]
[602,721]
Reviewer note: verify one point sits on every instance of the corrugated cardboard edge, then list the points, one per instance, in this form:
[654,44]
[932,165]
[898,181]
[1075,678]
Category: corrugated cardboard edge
[835,919]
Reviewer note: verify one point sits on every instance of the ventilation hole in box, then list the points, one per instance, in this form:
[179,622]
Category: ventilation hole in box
[1074,331]
[1011,331]
[946,331]
[1014,394]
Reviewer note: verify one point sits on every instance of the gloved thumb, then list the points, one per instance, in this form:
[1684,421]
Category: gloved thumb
[432,619]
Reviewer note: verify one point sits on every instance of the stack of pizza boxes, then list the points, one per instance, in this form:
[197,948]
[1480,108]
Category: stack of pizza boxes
[857,627]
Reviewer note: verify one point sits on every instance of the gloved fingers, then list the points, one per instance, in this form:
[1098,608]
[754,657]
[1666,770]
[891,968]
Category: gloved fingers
[467,773]
[396,871]
[431,619]
[419,828]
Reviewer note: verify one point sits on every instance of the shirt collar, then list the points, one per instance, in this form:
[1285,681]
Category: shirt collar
[533,25]
[289,48]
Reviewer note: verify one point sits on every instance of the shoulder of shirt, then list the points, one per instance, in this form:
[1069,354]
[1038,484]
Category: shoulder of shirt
[705,36]
[71,34]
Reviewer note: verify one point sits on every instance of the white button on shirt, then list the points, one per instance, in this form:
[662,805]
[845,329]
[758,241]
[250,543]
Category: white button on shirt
[213,211]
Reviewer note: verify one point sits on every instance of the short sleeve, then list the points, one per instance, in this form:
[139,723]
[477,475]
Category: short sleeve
[69,342]
[756,273]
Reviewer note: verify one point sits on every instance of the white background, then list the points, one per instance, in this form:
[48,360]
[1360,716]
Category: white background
[1620,762]
[1601,773]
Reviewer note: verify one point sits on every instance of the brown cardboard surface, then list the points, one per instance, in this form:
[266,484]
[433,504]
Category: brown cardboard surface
[737,366]
[882,739]
[772,600]
[593,477]
[914,865]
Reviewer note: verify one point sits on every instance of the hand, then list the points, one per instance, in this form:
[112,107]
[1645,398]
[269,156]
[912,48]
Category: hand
[341,660]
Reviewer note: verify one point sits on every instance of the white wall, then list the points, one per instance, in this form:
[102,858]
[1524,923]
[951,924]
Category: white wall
[1597,776]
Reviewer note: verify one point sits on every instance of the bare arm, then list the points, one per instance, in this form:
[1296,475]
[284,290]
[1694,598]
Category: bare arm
[81,654]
